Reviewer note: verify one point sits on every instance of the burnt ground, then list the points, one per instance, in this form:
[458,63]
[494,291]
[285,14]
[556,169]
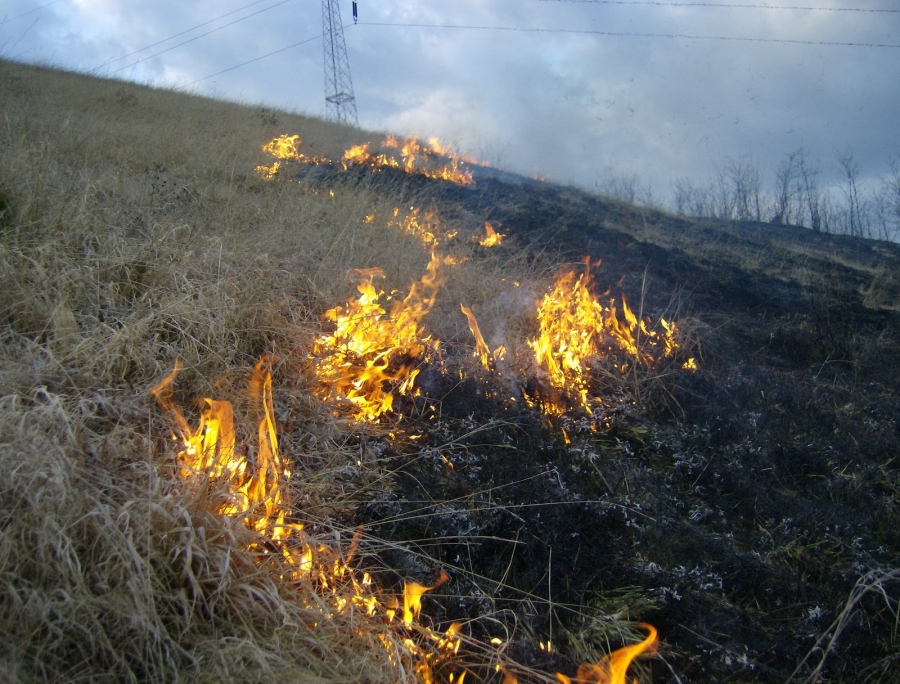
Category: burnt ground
[735,507]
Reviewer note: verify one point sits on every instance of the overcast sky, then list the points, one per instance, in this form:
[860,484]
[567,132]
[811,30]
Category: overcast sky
[564,90]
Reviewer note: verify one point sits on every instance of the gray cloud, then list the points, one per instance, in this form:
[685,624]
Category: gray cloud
[566,106]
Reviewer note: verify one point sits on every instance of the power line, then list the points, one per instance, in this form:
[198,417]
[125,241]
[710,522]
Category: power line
[249,61]
[660,3]
[24,33]
[629,34]
[160,42]
[24,14]
[191,40]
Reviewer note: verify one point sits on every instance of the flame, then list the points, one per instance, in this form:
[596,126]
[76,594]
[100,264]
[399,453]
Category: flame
[371,355]
[254,491]
[284,147]
[573,329]
[488,358]
[613,668]
[493,238]
[432,160]
[426,229]
[268,172]
[412,598]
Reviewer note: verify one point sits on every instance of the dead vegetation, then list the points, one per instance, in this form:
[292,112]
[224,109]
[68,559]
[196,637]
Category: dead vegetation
[748,509]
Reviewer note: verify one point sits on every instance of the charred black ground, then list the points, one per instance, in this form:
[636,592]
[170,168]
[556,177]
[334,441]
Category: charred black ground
[735,507]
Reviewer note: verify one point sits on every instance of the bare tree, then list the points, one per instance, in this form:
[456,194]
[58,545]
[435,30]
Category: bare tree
[787,190]
[887,201]
[721,196]
[811,197]
[855,223]
[624,186]
[736,191]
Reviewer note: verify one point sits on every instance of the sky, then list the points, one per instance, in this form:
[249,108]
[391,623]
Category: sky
[572,91]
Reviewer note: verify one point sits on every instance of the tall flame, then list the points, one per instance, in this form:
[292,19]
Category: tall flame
[493,238]
[371,355]
[482,351]
[574,327]
[412,597]
[255,491]
[284,147]
[614,667]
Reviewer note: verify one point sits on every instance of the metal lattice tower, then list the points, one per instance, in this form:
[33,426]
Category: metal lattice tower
[340,104]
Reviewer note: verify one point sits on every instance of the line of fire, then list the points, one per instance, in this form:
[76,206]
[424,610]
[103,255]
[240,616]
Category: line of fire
[366,364]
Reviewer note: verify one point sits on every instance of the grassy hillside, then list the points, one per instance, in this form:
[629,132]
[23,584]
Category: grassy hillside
[735,485]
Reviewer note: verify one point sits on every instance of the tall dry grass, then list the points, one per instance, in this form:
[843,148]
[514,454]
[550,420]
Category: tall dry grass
[133,233]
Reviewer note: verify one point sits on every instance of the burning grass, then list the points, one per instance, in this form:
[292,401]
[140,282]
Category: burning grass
[576,332]
[128,555]
[431,159]
[372,354]
[233,552]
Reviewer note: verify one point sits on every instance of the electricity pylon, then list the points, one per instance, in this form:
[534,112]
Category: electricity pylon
[340,104]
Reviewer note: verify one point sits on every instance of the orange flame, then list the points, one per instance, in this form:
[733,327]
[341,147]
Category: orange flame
[493,238]
[425,229]
[573,327]
[255,492]
[371,354]
[432,160]
[614,667]
[488,358]
[284,147]
[412,598]
[268,172]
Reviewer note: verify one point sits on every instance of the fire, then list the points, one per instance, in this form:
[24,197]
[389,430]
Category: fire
[574,328]
[267,172]
[614,667]
[412,598]
[255,492]
[426,228]
[371,355]
[432,160]
[492,238]
[284,147]
[482,351]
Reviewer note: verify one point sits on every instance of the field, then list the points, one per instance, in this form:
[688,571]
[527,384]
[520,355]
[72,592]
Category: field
[337,443]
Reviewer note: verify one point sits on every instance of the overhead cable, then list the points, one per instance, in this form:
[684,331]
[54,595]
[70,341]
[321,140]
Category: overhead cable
[24,14]
[249,61]
[716,5]
[181,33]
[630,34]
[190,40]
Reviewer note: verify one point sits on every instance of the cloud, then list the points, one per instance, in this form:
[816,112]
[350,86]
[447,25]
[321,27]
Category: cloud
[547,100]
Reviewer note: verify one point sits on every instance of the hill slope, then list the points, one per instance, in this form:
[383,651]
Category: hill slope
[747,508]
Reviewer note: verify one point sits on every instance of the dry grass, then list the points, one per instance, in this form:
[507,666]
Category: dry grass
[134,233]
[127,244]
